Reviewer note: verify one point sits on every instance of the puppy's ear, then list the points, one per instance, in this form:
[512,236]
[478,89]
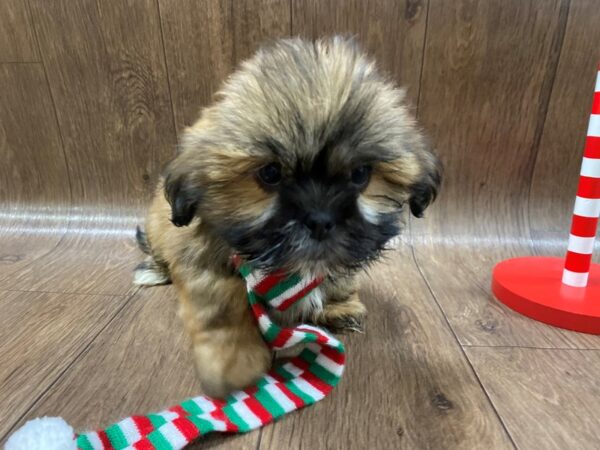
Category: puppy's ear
[182,194]
[424,191]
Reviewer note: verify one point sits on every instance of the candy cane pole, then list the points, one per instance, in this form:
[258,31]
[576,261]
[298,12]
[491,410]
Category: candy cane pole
[587,204]
[564,292]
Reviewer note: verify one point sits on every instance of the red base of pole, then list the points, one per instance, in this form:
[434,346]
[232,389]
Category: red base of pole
[532,286]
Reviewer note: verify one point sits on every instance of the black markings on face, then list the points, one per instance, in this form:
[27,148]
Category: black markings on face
[316,217]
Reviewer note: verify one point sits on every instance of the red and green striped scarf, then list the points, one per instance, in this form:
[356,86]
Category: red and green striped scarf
[288,386]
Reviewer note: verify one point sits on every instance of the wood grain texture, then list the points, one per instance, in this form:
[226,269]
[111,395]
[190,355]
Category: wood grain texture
[204,42]
[17,39]
[546,398]
[41,334]
[33,172]
[89,259]
[483,100]
[392,31]
[256,22]
[406,385]
[460,277]
[558,159]
[140,363]
[34,182]
[105,65]
[485,77]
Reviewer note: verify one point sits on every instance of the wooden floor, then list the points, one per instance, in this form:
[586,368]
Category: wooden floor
[441,366]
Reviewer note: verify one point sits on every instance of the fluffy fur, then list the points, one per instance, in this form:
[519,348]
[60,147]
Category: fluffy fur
[342,158]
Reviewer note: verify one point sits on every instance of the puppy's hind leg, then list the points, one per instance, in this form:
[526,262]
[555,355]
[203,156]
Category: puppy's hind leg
[149,272]
[142,240]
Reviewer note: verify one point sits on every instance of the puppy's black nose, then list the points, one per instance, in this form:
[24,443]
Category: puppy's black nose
[319,223]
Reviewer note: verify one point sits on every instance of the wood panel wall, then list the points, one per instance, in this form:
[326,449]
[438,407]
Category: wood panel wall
[502,87]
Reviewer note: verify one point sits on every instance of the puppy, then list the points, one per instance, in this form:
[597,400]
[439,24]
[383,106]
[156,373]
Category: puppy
[303,163]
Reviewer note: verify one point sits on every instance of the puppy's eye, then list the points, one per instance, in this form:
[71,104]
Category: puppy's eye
[270,174]
[361,175]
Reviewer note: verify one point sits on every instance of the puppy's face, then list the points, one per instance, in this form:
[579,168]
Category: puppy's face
[305,162]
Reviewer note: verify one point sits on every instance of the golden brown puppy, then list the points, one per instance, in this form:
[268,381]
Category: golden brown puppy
[304,162]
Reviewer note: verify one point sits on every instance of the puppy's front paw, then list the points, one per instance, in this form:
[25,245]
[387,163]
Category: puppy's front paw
[346,316]
[346,324]
[230,360]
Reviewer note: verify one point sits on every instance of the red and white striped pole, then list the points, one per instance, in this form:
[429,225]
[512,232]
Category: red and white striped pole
[587,204]
[564,292]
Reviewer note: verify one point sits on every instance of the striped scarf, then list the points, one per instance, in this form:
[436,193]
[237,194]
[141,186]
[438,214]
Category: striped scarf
[288,386]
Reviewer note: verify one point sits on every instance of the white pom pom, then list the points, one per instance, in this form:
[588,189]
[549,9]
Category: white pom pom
[47,433]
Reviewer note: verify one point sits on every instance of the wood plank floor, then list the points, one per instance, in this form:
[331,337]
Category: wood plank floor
[441,366]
